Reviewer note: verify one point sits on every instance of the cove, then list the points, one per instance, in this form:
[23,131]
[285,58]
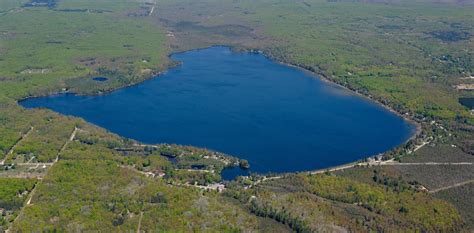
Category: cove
[279,118]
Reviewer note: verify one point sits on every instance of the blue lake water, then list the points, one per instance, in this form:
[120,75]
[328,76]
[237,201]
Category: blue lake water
[100,79]
[279,118]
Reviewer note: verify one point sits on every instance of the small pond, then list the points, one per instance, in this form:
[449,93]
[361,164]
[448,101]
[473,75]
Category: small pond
[100,79]
[468,102]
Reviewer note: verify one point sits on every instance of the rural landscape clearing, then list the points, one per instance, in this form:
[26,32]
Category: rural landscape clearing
[237,115]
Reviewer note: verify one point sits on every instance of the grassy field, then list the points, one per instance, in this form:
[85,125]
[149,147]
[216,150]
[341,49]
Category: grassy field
[408,55]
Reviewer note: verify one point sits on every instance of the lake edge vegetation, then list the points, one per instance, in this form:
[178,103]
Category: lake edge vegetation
[144,182]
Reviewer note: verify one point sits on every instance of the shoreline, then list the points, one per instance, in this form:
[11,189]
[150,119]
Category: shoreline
[324,78]
[173,64]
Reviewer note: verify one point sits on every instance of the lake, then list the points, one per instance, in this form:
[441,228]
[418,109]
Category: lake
[279,118]
[468,102]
